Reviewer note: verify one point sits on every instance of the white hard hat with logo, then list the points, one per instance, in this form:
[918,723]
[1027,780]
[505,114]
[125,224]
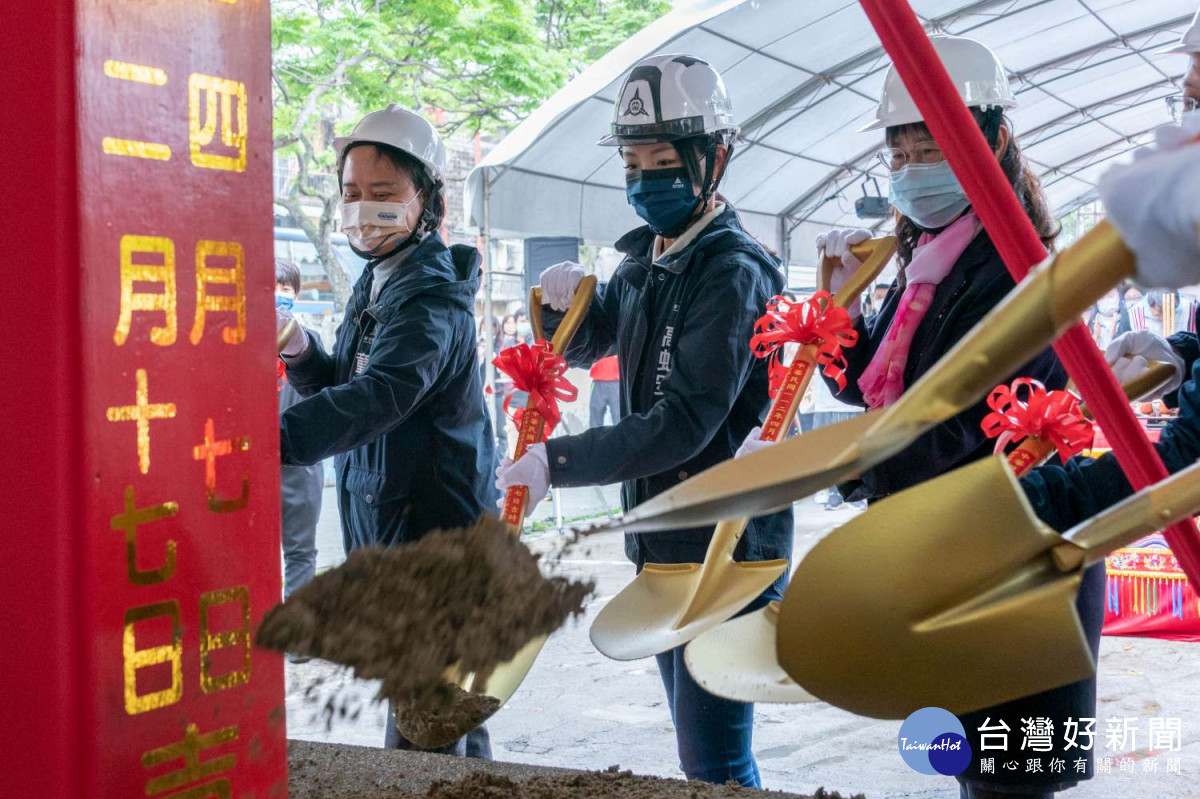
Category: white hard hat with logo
[1189,42]
[974,69]
[404,130]
[669,97]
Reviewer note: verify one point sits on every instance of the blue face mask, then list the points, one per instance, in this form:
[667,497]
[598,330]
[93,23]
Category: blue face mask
[664,198]
[928,194]
[284,301]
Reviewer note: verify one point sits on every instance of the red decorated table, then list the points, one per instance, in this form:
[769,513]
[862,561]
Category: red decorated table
[1148,593]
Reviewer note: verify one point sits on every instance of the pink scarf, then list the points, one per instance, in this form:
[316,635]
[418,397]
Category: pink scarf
[882,382]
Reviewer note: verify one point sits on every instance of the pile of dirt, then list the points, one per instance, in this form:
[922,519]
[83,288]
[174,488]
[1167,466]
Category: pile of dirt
[469,598]
[611,784]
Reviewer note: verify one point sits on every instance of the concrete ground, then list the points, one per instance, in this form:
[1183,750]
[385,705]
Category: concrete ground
[578,709]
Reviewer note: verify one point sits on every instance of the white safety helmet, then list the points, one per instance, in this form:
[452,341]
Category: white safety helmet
[669,97]
[974,69]
[1189,42]
[404,130]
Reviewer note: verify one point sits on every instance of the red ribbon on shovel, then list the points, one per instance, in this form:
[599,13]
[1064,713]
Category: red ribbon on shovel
[1052,416]
[537,369]
[815,321]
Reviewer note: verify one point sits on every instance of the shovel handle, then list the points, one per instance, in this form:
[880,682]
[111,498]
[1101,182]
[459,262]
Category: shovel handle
[573,318]
[533,423]
[1034,450]
[874,255]
[1151,509]
[281,338]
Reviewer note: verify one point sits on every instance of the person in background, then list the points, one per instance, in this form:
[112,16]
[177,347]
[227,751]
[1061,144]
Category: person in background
[506,336]
[875,301]
[524,328]
[606,392]
[301,487]
[1163,313]
[398,403]
[1105,316]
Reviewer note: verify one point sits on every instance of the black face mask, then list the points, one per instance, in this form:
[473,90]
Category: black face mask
[664,198]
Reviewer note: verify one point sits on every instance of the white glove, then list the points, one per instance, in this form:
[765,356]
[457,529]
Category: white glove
[533,470]
[752,444]
[1130,354]
[297,343]
[1154,205]
[559,283]
[837,244]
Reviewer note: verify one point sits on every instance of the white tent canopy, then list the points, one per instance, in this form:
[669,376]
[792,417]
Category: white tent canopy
[804,76]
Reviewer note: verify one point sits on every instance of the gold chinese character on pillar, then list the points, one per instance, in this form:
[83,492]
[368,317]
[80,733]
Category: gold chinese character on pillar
[169,654]
[142,412]
[237,638]
[129,522]
[162,274]
[193,769]
[208,276]
[135,148]
[208,452]
[214,101]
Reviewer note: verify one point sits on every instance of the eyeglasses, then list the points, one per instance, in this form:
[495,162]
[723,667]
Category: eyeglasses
[924,153]
[1180,104]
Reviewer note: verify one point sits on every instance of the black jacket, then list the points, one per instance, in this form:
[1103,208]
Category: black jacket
[690,388]
[1065,495]
[400,403]
[975,285]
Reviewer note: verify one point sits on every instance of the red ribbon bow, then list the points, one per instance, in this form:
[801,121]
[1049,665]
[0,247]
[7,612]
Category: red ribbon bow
[537,369]
[815,321]
[1052,416]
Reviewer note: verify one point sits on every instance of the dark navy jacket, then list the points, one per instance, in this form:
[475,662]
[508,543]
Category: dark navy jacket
[399,402]
[690,388]
[1065,495]
[975,285]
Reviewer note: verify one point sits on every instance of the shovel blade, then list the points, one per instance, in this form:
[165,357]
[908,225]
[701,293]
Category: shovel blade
[736,660]
[647,617]
[768,480]
[943,595]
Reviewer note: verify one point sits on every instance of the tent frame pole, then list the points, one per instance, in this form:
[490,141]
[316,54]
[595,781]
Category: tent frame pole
[489,330]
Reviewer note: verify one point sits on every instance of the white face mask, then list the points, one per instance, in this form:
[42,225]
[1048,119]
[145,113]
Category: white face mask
[372,226]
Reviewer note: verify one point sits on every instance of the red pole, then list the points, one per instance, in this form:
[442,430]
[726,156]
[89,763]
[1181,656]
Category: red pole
[960,138]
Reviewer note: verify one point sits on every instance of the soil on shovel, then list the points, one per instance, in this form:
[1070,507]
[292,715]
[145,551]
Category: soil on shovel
[469,598]
[435,726]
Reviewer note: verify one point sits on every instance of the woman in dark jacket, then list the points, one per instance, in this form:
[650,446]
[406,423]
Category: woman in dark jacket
[399,403]
[950,277]
[679,313]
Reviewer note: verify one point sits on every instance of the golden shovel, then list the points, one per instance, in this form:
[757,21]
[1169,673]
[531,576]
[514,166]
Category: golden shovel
[1048,301]
[504,680]
[953,594]
[737,660]
[669,604]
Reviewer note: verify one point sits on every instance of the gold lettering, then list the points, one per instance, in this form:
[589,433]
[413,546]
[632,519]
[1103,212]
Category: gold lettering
[163,274]
[136,659]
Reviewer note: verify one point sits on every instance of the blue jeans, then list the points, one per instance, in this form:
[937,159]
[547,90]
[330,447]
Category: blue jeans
[713,734]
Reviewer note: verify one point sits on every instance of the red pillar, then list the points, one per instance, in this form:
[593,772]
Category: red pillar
[142,543]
